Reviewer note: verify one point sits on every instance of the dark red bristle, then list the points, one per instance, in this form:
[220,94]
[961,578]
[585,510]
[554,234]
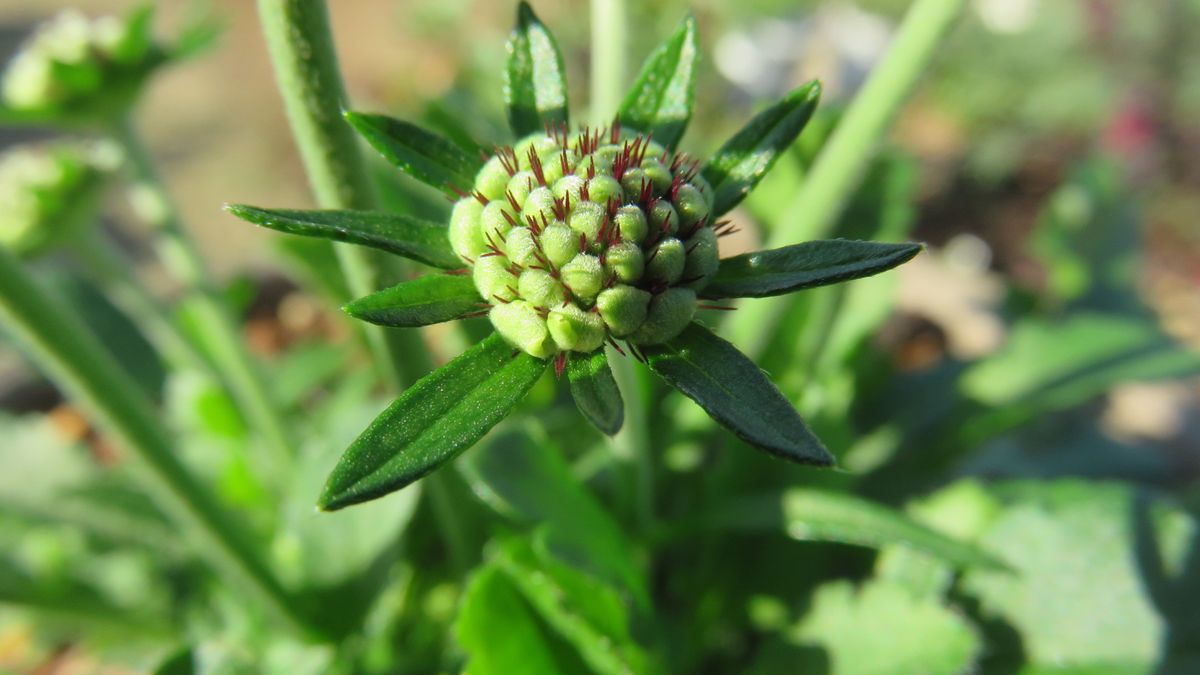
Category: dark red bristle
[535,165]
[481,198]
[616,346]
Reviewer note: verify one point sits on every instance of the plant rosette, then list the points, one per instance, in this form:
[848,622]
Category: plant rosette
[570,241]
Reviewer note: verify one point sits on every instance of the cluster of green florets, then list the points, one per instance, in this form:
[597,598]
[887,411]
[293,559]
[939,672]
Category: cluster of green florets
[575,240]
[72,60]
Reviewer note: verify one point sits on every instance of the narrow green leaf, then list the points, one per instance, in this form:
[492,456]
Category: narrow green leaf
[595,391]
[814,263]
[735,393]
[422,154]
[746,157]
[822,515]
[432,421]
[427,300]
[661,99]
[420,240]
[535,85]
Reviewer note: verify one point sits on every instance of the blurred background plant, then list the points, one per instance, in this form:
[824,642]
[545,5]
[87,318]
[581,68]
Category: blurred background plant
[1014,411]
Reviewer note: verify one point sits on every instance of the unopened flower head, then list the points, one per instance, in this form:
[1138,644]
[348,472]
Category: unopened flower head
[47,193]
[575,239]
[75,61]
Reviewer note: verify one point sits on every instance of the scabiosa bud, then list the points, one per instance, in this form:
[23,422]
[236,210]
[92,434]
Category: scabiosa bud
[48,193]
[595,235]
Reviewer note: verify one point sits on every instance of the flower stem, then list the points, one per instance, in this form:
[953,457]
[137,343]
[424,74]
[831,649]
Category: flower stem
[216,328]
[609,28]
[73,358]
[849,151]
[306,69]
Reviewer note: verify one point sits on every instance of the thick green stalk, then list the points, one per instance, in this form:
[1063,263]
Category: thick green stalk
[114,273]
[609,45]
[72,357]
[215,326]
[850,149]
[306,69]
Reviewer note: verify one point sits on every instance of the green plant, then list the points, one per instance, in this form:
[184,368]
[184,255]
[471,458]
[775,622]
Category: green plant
[572,241]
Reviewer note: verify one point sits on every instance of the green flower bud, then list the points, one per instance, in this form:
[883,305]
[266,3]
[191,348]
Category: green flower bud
[631,223]
[569,185]
[466,238]
[492,179]
[520,324]
[631,184]
[521,184]
[559,244]
[539,203]
[584,276]
[47,194]
[658,174]
[492,223]
[705,189]
[552,168]
[602,188]
[702,258]
[587,218]
[691,206]
[664,218]
[521,247]
[623,308]
[541,289]
[574,329]
[666,260]
[625,261]
[669,313]
[542,146]
[493,279]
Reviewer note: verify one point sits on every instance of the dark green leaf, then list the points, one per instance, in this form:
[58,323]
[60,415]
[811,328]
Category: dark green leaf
[421,154]
[814,263]
[735,393]
[181,662]
[744,159]
[432,421]
[661,100]
[420,240]
[535,83]
[430,299]
[595,391]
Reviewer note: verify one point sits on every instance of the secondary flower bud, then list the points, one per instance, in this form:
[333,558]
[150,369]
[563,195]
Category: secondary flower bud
[594,235]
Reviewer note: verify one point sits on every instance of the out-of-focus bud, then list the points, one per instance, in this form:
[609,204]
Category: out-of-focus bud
[48,193]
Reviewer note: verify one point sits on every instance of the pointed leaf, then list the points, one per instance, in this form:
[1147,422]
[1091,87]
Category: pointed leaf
[535,85]
[422,154]
[420,240]
[746,157]
[735,393]
[430,299]
[432,422]
[661,100]
[814,263]
[595,391]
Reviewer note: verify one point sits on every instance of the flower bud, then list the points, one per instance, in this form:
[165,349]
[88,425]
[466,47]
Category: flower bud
[623,308]
[625,261]
[702,258]
[659,175]
[559,244]
[574,329]
[698,181]
[521,247]
[603,188]
[492,223]
[663,217]
[632,182]
[48,193]
[541,289]
[539,203]
[569,185]
[587,218]
[666,260]
[669,313]
[631,223]
[493,279]
[521,184]
[584,276]
[492,179]
[690,205]
[466,238]
[520,324]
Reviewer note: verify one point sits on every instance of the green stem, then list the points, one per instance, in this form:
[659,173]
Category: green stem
[72,357]
[215,326]
[115,275]
[849,151]
[609,46]
[306,70]
[632,443]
